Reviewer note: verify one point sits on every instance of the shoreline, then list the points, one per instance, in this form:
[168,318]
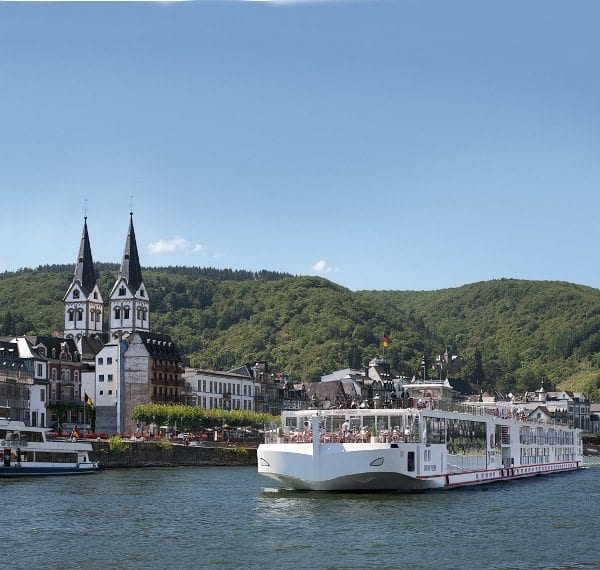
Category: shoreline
[150,454]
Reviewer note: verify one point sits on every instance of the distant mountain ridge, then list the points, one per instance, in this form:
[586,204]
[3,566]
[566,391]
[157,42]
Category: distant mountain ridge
[513,334]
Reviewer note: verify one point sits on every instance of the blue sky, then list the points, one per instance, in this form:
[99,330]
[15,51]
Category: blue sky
[406,144]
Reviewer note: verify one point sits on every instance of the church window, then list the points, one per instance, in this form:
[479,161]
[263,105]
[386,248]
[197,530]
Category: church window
[70,315]
[122,291]
[125,312]
[79,314]
[95,294]
[117,312]
[75,293]
[142,292]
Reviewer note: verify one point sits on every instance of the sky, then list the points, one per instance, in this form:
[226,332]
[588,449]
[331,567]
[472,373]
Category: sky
[381,144]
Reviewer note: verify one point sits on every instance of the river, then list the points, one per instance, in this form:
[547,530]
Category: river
[230,517]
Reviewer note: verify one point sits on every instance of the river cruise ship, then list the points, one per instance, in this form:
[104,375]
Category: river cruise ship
[431,445]
[25,452]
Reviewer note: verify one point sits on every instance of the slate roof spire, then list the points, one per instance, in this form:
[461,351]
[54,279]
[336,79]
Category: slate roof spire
[131,270]
[84,268]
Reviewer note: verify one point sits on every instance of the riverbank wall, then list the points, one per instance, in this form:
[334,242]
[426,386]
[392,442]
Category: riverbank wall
[150,454]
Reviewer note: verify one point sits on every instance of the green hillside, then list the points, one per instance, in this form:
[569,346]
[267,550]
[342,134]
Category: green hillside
[513,334]
[522,332]
[302,326]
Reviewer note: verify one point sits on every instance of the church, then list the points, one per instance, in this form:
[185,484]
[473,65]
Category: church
[126,365]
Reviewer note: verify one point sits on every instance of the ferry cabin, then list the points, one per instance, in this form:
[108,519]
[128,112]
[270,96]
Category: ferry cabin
[25,451]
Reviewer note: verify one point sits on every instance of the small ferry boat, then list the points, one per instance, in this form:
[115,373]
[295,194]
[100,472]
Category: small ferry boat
[432,445]
[25,451]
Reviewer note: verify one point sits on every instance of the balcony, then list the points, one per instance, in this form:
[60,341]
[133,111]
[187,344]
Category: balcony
[179,382]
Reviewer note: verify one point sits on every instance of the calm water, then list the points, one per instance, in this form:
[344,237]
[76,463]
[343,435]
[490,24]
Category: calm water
[233,518]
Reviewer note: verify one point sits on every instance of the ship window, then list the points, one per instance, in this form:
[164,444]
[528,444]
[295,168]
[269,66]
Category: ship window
[410,466]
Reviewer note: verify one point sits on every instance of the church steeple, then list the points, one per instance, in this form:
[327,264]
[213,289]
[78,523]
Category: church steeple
[83,301]
[130,266]
[84,269]
[129,303]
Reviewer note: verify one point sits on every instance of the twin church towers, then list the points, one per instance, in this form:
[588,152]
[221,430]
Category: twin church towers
[128,302]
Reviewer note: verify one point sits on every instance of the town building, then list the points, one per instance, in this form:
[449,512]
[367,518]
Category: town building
[235,390]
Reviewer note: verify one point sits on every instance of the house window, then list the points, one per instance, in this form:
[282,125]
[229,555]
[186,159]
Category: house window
[39,370]
[101,393]
[95,294]
[109,360]
[142,292]
[42,394]
[101,378]
[100,360]
[110,378]
[110,392]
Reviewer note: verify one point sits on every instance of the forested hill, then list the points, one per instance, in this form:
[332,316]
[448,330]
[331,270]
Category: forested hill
[513,334]
[522,332]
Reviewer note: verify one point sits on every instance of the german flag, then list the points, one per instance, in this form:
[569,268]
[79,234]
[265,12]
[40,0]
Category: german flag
[386,341]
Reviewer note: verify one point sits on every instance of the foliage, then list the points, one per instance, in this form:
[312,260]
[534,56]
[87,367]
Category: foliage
[513,334]
[190,418]
[115,444]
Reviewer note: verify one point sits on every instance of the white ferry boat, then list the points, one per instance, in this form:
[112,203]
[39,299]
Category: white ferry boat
[25,451]
[439,446]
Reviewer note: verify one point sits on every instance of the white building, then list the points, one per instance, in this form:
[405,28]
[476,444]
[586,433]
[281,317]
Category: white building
[214,389]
